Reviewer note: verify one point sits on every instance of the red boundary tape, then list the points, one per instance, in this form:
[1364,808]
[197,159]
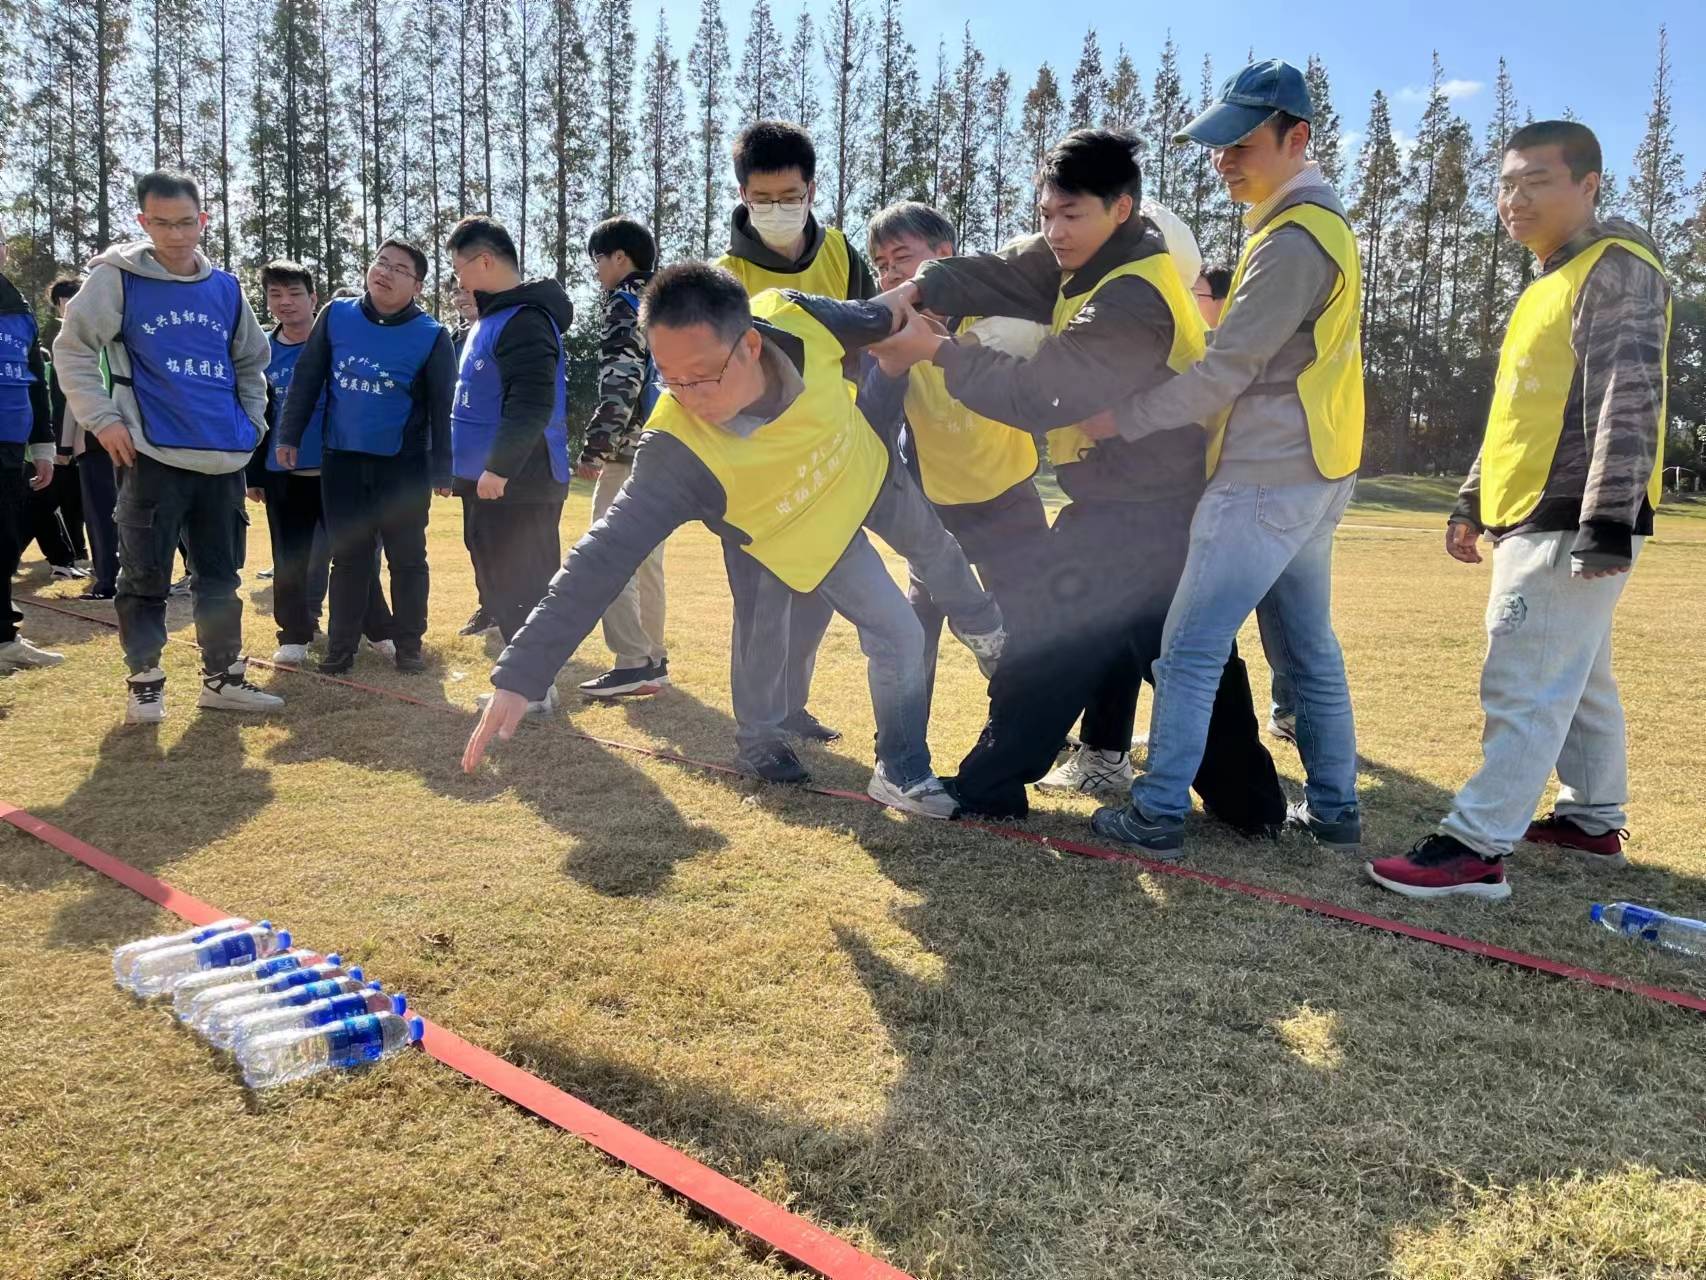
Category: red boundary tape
[1316,906]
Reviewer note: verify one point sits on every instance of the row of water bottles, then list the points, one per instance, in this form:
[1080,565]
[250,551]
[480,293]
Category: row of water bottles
[1648,924]
[283,1013]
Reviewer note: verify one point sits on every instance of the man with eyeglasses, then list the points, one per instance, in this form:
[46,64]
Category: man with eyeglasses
[186,409]
[388,373]
[757,436]
[776,242]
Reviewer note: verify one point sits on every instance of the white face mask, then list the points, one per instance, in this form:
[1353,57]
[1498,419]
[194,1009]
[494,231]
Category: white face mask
[776,226]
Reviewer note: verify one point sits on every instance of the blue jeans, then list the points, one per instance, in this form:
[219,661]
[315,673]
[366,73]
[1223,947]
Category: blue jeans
[1266,549]
[772,651]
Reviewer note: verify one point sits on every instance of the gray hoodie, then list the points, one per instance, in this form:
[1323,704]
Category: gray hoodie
[92,322]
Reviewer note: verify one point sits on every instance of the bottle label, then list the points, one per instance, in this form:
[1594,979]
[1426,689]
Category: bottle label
[351,1004]
[238,948]
[291,978]
[278,964]
[355,1040]
[311,992]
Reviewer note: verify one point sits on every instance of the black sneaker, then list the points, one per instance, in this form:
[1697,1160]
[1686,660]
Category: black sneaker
[335,663]
[181,587]
[981,807]
[100,593]
[479,621]
[803,724]
[774,763]
[410,660]
[622,682]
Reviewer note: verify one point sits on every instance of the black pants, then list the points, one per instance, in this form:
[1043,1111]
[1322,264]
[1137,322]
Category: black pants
[56,517]
[294,515]
[516,549]
[15,531]
[1000,538]
[1100,587]
[100,495]
[158,505]
[367,497]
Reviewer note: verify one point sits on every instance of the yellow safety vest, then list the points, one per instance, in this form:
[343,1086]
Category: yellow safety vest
[829,276]
[963,457]
[799,487]
[1330,386]
[1537,368]
[1070,444]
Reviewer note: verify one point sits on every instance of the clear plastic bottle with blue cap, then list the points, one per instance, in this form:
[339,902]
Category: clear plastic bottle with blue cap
[217,1023]
[352,1004]
[199,992]
[157,972]
[1673,933]
[126,956]
[284,1056]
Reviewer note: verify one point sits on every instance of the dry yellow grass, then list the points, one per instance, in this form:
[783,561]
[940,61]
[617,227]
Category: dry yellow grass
[971,1057]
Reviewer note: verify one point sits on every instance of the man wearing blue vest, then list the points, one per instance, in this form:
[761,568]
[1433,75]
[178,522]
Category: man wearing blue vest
[186,410]
[623,255]
[387,371]
[26,461]
[509,429]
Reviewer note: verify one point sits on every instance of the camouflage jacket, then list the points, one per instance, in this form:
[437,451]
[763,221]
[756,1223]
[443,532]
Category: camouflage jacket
[613,433]
[1597,487]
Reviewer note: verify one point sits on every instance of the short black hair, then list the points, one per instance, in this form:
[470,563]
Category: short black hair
[482,233]
[347,291]
[63,288]
[908,218]
[1219,281]
[413,250]
[1576,140]
[1094,162]
[168,184]
[1284,122]
[627,235]
[769,146]
[284,273]
[690,293]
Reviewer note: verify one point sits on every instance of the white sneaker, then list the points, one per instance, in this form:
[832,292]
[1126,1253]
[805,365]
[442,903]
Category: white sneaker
[230,690]
[291,655]
[928,798]
[16,655]
[384,648]
[1090,771]
[68,573]
[986,647]
[543,707]
[147,701]
[1283,728]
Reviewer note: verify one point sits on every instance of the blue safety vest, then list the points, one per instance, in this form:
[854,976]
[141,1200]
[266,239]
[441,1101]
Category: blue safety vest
[17,340]
[280,369]
[478,407]
[178,334]
[652,387]
[371,388]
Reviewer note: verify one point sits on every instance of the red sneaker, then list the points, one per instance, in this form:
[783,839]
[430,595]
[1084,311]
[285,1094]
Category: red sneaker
[1600,851]
[1440,867]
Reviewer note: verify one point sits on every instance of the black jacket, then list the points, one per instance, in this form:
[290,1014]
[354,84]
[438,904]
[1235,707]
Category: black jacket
[526,353]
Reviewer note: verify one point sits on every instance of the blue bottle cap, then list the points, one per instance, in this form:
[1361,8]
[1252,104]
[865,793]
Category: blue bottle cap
[266,924]
[335,958]
[356,973]
[376,985]
[284,939]
[417,1029]
[399,1004]
[1596,913]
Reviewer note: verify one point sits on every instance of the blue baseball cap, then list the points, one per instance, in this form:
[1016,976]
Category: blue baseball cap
[1246,100]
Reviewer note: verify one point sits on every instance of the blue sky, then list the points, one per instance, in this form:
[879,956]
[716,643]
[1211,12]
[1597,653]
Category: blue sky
[1596,58]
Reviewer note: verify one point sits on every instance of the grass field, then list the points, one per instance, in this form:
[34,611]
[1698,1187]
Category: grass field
[969,1056]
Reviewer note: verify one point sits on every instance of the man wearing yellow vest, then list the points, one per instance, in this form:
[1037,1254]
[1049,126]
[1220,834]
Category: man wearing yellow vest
[1280,387]
[975,471]
[1121,322]
[758,436]
[1565,484]
[776,242]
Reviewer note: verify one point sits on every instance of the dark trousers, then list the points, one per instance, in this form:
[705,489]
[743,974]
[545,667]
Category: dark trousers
[516,549]
[100,495]
[999,537]
[15,531]
[56,517]
[1100,586]
[157,505]
[366,498]
[296,524]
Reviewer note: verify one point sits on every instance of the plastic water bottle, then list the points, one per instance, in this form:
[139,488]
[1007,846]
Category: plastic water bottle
[284,1056]
[125,957]
[158,971]
[352,1004]
[196,994]
[1673,933]
[219,1021]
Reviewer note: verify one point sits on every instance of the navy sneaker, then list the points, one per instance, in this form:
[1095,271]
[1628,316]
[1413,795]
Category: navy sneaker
[335,664]
[1159,837]
[775,762]
[803,724]
[623,682]
[1343,835]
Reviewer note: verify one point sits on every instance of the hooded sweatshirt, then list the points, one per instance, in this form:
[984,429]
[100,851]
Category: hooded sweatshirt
[93,319]
[527,352]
